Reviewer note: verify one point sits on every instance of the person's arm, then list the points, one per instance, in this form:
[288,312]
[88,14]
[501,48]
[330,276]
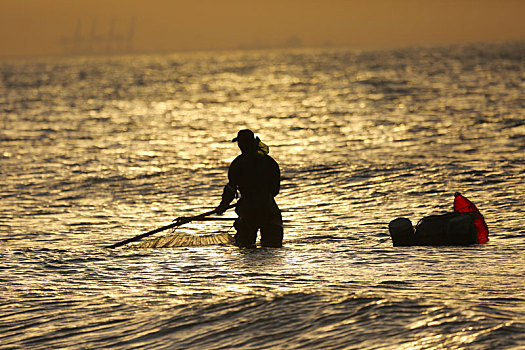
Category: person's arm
[229,192]
[275,179]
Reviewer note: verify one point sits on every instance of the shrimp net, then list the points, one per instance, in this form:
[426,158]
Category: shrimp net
[184,239]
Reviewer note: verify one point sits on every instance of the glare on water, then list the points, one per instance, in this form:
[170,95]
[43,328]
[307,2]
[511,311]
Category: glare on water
[97,150]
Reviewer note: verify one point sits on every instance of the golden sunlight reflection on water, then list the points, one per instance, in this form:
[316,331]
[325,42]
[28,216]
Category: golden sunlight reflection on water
[361,138]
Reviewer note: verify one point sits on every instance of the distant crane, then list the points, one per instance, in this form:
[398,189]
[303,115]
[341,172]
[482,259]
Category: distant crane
[112,43]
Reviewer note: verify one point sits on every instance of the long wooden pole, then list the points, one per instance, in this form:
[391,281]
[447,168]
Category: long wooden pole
[179,221]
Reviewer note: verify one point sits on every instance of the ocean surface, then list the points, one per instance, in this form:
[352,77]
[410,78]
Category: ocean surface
[95,150]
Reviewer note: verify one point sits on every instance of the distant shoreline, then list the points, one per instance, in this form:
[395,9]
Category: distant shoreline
[243,48]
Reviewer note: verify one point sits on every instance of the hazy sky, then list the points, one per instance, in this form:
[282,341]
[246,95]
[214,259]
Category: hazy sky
[47,27]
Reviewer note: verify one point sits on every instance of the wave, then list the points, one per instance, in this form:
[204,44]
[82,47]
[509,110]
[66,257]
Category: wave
[308,320]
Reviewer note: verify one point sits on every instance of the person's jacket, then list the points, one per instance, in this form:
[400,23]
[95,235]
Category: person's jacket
[256,176]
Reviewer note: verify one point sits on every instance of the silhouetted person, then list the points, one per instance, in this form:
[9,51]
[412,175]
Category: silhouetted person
[257,177]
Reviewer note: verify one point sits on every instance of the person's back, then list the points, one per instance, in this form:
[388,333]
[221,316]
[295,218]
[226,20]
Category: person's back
[257,177]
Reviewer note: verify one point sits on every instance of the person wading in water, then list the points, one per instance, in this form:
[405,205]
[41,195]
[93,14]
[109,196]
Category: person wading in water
[257,177]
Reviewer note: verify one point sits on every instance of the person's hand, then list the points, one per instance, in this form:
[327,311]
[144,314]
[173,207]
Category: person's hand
[221,209]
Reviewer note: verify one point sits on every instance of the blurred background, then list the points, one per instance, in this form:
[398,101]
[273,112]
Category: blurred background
[57,27]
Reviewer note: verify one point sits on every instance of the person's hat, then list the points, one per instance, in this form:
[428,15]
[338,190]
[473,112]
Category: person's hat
[244,135]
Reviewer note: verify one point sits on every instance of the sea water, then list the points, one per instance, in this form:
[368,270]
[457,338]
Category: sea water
[95,150]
